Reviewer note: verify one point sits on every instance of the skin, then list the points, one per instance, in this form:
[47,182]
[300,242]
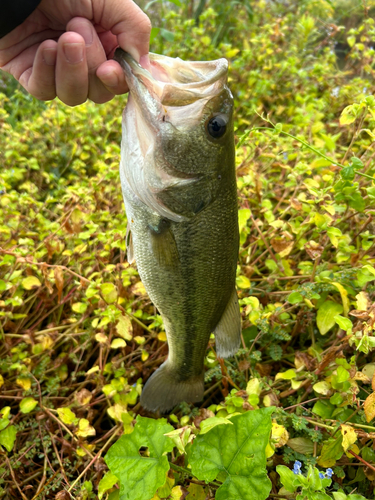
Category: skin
[64,49]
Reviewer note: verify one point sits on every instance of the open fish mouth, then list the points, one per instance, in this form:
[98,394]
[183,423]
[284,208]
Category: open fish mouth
[172,81]
[165,117]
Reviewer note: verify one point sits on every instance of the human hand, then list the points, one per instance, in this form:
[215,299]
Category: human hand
[64,48]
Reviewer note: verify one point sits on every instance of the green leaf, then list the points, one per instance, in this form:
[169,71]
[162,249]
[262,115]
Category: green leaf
[211,422]
[67,416]
[349,114]
[106,483]
[3,285]
[243,216]
[27,405]
[334,234]
[347,173]
[109,292]
[332,450]
[79,307]
[140,476]
[287,478]
[301,445]
[323,408]
[356,162]
[238,452]
[8,437]
[295,298]
[196,492]
[344,323]
[154,33]
[243,282]
[325,318]
[351,42]
[167,35]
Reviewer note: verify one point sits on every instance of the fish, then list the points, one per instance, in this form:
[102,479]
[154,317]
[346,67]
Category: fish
[178,180]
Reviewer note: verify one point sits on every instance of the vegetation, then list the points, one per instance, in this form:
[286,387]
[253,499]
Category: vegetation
[79,336]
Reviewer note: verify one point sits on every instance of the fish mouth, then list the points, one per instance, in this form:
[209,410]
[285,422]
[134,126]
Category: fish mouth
[170,81]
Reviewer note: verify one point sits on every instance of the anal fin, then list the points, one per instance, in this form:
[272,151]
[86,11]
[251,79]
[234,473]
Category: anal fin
[228,330]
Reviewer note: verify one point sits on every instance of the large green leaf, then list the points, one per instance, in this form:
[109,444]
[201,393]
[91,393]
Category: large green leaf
[140,476]
[325,318]
[235,453]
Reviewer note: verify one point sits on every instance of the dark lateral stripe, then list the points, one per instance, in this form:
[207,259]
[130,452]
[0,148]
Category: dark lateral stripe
[14,12]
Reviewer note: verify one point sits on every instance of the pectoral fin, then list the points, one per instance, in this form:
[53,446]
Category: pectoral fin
[129,245]
[164,245]
[228,330]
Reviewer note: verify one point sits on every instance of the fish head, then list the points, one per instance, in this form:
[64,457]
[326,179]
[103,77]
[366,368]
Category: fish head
[178,141]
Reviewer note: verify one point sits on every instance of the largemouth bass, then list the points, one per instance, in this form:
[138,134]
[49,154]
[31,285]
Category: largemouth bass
[179,186]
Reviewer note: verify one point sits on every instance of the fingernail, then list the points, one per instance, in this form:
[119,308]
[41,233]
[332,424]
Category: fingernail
[86,31]
[73,52]
[144,61]
[49,56]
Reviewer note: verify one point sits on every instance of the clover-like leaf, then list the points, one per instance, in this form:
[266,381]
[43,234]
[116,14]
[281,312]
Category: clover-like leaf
[140,476]
[238,452]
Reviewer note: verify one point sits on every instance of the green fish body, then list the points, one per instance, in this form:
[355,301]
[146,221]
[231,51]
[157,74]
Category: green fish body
[179,187]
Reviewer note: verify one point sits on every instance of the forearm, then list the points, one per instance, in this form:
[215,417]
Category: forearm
[14,12]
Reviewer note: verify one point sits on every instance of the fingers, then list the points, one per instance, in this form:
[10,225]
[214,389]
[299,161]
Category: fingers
[72,82]
[112,76]
[130,24]
[39,80]
[95,56]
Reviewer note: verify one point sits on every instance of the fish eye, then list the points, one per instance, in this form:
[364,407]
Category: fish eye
[217,126]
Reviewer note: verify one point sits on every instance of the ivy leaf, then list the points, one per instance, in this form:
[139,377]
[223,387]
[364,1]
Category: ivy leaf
[8,437]
[140,476]
[325,318]
[238,452]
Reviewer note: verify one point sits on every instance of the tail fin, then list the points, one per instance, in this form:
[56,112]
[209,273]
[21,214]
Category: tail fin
[163,392]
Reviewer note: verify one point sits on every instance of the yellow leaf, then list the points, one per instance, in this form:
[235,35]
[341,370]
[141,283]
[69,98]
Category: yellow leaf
[117,343]
[24,382]
[288,375]
[31,282]
[124,328]
[354,448]
[279,435]
[140,340]
[144,355]
[84,428]
[344,297]
[66,415]
[322,388]
[101,338]
[1,380]
[162,336]
[370,407]
[349,436]
[363,301]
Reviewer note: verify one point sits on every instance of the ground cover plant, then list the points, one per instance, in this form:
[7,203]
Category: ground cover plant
[291,415]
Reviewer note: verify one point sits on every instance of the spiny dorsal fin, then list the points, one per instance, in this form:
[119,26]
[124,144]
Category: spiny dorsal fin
[228,330]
